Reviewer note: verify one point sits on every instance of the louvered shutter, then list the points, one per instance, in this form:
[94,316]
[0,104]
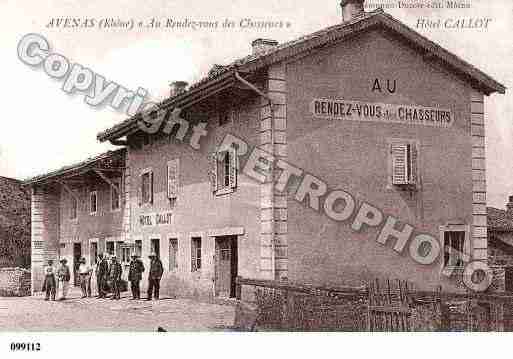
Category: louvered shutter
[413,164]
[399,175]
[172,178]
[213,171]
[232,175]
[151,186]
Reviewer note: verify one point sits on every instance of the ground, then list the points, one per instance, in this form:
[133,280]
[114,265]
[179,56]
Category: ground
[36,314]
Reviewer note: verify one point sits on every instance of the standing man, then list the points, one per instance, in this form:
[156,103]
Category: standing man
[115,277]
[154,276]
[102,271]
[135,276]
[84,271]
[64,276]
[49,283]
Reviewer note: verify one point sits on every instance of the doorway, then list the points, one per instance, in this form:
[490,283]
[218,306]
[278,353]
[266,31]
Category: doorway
[225,266]
[77,254]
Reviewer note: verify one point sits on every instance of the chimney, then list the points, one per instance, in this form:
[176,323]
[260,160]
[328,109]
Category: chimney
[351,9]
[509,205]
[261,45]
[177,87]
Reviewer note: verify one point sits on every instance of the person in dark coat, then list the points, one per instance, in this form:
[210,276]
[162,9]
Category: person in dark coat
[102,272]
[49,284]
[135,276]
[115,271]
[154,276]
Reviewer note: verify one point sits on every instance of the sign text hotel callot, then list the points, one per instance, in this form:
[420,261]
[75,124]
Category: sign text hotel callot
[155,219]
[340,109]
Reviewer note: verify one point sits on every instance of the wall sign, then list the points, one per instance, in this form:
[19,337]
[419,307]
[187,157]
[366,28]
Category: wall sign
[340,109]
[155,219]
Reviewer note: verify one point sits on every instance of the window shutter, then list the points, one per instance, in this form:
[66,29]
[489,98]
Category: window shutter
[213,171]
[172,178]
[232,176]
[398,152]
[139,190]
[151,187]
[413,164]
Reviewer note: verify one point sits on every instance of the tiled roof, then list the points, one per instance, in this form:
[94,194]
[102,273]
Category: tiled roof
[327,35]
[79,165]
[499,219]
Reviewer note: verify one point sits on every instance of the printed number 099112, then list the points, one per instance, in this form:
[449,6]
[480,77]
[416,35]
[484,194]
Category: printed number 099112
[29,347]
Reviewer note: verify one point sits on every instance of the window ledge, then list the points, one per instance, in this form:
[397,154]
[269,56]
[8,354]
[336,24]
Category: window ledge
[225,190]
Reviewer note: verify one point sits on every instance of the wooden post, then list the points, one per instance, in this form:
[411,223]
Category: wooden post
[238,288]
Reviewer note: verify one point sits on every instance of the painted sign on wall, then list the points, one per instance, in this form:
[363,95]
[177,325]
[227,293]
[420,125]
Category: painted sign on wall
[155,219]
[340,109]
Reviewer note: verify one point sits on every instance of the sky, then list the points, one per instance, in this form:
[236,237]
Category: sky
[44,128]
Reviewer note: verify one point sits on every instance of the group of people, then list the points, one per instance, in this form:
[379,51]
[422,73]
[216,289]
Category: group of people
[108,276]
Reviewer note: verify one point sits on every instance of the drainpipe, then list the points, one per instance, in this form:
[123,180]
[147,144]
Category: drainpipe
[271,106]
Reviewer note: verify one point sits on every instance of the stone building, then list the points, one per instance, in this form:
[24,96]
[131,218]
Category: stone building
[367,105]
[14,224]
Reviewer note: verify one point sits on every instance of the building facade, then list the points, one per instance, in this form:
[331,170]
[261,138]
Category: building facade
[368,106]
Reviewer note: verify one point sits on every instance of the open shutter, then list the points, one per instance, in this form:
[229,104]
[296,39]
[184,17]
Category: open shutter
[172,178]
[398,152]
[213,171]
[413,164]
[151,186]
[139,190]
[232,175]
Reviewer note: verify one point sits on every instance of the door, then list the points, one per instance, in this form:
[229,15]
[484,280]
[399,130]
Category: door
[225,266]
[77,254]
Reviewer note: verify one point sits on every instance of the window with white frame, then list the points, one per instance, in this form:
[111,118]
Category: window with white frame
[456,246]
[195,254]
[115,195]
[404,162]
[93,202]
[224,171]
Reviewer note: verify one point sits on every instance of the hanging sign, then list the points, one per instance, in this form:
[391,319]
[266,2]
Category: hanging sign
[340,109]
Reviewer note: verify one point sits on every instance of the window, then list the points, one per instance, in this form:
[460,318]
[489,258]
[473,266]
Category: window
[125,254]
[224,116]
[455,240]
[173,176]
[138,248]
[155,246]
[109,247]
[224,171]
[454,247]
[93,202]
[115,198]
[195,254]
[73,208]
[146,191]
[173,254]
[404,163]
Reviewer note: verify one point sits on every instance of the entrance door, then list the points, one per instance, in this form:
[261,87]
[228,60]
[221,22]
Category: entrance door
[77,254]
[226,266]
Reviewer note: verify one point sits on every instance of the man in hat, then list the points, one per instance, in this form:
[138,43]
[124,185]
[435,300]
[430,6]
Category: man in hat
[102,272]
[154,276]
[64,276]
[135,275]
[115,271]
[49,283]
[84,271]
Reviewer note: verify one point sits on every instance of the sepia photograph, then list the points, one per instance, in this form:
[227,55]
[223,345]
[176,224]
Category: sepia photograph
[241,167]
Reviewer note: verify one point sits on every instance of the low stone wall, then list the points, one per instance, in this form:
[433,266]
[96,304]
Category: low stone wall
[14,282]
